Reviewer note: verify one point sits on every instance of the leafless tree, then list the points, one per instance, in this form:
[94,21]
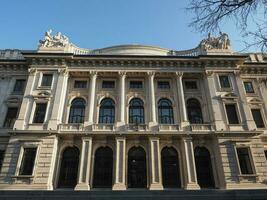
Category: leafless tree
[210,14]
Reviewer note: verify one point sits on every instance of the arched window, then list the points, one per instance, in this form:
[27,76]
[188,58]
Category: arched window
[103,168]
[69,168]
[194,111]
[136,111]
[170,168]
[204,168]
[107,111]
[77,111]
[137,175]
[165,112]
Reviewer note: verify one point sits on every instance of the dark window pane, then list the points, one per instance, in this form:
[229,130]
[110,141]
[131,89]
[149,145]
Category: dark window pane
[107,111]
[192,85]
[11,117]
[231,114]
[77,111]
[265,152]
[194,112]
[40,111]
[163,85]
[47,79]
[108,84]
[256,113]
[249,87]
[2,153]
[224,82]
[136,111]
[136,84]
[27,162]
[19,85]
[244,161]
[165,112]
[80,84]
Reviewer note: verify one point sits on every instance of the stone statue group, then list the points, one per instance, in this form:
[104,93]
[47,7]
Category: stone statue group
[59,40]
[221,42]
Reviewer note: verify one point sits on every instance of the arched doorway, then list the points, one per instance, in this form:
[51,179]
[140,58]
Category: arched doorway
[69,168]
[137,177]
[170,168]
[204,168]
[103,168]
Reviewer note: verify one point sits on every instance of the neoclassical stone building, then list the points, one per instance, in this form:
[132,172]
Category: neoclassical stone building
[132,116]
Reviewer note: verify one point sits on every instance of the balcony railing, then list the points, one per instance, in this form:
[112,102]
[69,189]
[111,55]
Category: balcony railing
[169,127]
[103,127]
[71,127]
[202,127]
[137,127]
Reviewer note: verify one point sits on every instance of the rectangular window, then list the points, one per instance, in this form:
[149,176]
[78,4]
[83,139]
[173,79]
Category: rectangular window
[39,114]
[11,117]
[244,160]
[265,153]
[224,81]
[108,84]
[163,85]
[19,85]
[256,113]
[136,84]
[190,85]
[231,114]
[27,162]
[248,87]
[47,80]
[2,153]
[80,84]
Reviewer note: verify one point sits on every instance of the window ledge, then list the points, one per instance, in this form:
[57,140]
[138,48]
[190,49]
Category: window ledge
[44,88]
[23,176]
[248,177]
[226,89]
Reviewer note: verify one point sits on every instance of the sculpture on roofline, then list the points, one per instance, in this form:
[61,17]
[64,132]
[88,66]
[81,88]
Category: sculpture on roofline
[59,40]
[221,42]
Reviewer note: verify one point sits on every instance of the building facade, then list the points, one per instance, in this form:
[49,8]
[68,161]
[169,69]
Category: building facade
[132,116]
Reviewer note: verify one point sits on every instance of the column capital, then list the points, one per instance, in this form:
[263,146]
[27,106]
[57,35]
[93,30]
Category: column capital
[179,74]
[208,73]
[63,72]
[32,71]
[93,73]
[151,73]
[122,73]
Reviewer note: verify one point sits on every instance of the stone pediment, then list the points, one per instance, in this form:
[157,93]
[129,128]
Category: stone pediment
[229,95]
[255,100]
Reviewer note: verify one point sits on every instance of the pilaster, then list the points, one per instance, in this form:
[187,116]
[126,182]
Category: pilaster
[93,76]
[152,103]
[121,120]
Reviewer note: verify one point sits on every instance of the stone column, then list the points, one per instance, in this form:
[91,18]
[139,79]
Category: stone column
[53,164]
[189,164]
[59,98]
[244,107]
[120,172]
[155,160]
[181,100]
[121,120]
[263,91]
[151,93]
[85,164]
[92,96]
[213,101]
[27,102]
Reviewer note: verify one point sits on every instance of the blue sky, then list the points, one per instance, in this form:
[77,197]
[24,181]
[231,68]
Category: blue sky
[101,23]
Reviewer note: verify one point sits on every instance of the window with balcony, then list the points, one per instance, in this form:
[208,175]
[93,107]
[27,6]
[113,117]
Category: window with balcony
[225,82]
[40,111]
[77,111]
[136,84]
[11,117]
[108,84]
[256,113]
[80,84]
[231,114]
[165,111]
[194,111]
[163,85]
[47,80]
[27,162]
[190,85]
[136,111]
[244,160]
[19,86]
[248,87]
[107,111]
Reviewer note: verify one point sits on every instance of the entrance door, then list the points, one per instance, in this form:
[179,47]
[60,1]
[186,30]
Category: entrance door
[137,177]
[170,168]
[103,168]
[204,168]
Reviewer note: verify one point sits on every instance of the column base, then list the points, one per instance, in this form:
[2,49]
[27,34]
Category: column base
[156,186]
[82,186]
[192,186]
[185,125]
[251,126]
[120,126]
[119,186]
[153,125]
[52,124]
